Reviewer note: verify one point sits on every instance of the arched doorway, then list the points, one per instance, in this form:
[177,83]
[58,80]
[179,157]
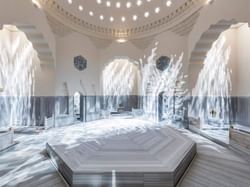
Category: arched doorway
[18,65]
[217,71]
[24,54]
[79,107]
[120,80]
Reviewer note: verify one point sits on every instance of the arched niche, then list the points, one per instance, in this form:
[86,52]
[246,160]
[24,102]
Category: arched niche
[121,84]
[230,108]
[19,65]
[204,44]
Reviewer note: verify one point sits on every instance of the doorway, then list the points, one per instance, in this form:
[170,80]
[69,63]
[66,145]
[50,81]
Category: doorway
[79,107]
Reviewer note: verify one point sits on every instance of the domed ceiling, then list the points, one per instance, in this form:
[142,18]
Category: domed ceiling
[120,14]
[123,19]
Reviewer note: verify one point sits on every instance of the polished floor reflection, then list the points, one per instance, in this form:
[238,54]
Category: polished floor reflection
[27,165]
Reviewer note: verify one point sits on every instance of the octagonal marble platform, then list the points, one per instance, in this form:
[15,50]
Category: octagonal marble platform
[152,158]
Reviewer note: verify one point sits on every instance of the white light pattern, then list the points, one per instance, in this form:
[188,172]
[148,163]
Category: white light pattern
[170,81]
[113,178]
[128,4]
[123,19]
[101,17]
[139,2]
[168,3]
[118,5]
[100,129]
[157,10]
[212,89]
[108,3]
[80,7]
[135,17]
[119,77]
[18,63]
[111,19]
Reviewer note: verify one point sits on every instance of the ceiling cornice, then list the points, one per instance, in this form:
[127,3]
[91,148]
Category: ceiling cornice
[62,18]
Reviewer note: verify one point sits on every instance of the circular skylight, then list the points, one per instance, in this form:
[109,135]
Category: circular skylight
[80,7]
[115,19]
[135,17]
[157,10]
[101,17]
[123,11]
[123,19]
[118,4]
[169,3]
[128,4]
[108,3]
[139,2]
[111,19]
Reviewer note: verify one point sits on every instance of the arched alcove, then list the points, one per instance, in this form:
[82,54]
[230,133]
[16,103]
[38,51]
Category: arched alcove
[120,80]
[220,58]
[204,44]
[214,13]
[39,43]
[19,64]
[207,39]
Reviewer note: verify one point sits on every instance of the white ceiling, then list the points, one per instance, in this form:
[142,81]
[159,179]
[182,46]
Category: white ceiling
[118,13]
[64,16]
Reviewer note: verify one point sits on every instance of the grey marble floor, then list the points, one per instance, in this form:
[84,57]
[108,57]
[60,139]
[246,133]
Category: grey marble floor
[26,165]
[215,166]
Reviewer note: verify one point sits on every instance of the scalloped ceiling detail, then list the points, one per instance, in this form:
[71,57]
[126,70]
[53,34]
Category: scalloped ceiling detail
[180,20]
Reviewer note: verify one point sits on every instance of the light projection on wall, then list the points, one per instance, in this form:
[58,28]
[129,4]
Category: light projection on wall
[211,100]
[18,63]
[77,103]
[119,79]
[168,82]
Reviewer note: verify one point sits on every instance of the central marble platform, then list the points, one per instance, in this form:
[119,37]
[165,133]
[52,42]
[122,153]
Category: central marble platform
[151,158]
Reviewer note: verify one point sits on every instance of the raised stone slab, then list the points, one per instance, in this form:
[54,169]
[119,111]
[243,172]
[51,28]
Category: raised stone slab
[152,158]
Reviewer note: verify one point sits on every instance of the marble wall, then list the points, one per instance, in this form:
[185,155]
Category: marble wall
[238,111]
[208,109]
[242,110]
[42,107]
[93,107]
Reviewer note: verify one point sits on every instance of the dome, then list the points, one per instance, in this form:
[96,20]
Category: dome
[114,19]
